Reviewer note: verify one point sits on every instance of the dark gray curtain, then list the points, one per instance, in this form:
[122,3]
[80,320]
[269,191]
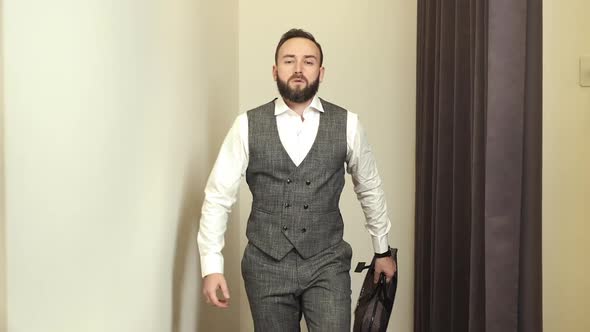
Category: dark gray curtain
[478,166]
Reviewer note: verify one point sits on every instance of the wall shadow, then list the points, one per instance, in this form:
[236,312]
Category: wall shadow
[185,266]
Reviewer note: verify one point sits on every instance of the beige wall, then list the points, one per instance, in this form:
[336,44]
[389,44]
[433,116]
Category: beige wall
[370,50]
[220,31]
[566,165]
[112,117]
[2,214]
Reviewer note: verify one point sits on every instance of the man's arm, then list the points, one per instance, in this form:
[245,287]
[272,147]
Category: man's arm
[367,185]
[220,195]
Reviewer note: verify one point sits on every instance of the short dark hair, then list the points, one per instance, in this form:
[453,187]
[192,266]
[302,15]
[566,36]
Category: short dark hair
[298,33]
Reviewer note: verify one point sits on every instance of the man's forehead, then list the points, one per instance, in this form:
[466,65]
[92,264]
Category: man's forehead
[299,46]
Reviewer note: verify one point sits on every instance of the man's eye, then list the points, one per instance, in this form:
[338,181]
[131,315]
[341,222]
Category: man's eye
[309,62]
[288,61]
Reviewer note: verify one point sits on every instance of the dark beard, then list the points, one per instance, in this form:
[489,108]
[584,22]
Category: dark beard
[298,95]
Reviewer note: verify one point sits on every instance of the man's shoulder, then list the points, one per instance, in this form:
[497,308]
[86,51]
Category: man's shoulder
[266,107]
[331,106]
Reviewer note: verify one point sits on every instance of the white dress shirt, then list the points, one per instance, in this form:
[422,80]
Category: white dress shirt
[297,134]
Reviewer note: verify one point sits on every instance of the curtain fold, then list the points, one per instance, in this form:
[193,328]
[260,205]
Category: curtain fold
[478,166]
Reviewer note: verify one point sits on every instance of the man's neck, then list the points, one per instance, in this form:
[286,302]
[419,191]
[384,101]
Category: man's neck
[298,107]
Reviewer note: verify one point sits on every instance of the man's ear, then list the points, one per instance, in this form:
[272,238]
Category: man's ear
[275,73]
[322,70]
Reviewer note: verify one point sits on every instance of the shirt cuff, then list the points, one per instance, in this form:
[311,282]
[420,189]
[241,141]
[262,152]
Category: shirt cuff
[380,243]
[212,263]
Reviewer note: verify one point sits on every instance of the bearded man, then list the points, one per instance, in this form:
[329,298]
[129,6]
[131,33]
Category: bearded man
[294,152]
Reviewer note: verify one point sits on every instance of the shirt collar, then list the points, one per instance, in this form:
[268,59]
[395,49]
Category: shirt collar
[281,107]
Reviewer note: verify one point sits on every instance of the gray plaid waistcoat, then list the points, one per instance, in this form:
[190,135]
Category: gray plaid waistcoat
[295,206]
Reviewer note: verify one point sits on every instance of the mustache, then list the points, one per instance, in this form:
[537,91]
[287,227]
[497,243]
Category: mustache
[298,77]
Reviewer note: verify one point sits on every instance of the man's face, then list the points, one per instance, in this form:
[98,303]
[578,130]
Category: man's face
[298,72]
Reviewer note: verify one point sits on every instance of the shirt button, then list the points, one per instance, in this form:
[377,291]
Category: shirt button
[306,206]
[303,230]
[308,182]
[289,181]
[285,228]
[287,205]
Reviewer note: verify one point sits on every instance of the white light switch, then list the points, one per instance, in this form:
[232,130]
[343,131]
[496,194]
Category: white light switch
[585,70]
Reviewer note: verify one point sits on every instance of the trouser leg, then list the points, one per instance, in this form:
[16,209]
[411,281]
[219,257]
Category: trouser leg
[272,291]
[326,301]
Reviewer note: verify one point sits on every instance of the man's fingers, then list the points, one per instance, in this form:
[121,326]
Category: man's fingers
[387,266]
[224,290]
[376,277]
[214,300]
[211,285]
[211,297]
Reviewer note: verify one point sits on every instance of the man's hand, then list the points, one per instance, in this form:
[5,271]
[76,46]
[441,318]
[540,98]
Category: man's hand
[385,265]
[212,283]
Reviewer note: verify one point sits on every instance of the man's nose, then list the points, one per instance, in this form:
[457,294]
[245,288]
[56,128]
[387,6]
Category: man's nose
[298,67]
